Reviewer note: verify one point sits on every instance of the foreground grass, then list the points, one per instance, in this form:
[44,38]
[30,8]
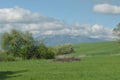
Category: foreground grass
[90,68]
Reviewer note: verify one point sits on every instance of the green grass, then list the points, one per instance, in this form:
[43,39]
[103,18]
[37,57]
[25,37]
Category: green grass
[105,67]
[92,68]
[97,48]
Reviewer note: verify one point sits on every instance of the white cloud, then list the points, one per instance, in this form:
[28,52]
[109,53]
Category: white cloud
[106,9]
[36,23]
[95,31]
[20,15]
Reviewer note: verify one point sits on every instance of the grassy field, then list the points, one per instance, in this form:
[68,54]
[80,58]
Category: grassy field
[95,67]
[97,49]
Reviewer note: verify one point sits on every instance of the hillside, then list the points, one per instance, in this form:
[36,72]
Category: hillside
[97,48]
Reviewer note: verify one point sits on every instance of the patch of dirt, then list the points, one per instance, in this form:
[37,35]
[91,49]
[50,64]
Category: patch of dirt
[66,59]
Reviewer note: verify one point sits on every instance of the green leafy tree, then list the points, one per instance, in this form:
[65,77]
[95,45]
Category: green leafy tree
[64,49]
[22,44]
[17,42]
[116,31]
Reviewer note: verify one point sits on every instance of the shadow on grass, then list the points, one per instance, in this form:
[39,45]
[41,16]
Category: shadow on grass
[9,74]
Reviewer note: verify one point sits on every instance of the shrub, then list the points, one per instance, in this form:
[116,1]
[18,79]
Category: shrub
[45,53]
[50,54]
[64,49]
[6,57]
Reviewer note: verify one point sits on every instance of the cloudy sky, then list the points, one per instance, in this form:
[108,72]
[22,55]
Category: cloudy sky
[93,18]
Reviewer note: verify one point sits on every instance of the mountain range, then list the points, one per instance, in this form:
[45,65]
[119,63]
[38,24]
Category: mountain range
[52,40]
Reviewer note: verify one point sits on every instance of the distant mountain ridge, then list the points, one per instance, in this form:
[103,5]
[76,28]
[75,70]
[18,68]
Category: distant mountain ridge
[52,40]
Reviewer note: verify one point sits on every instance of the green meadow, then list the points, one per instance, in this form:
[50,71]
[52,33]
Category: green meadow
[97,48]
[99,61]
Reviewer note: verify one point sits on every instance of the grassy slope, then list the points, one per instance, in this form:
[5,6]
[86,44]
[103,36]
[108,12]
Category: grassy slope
[89,68]
[98,48]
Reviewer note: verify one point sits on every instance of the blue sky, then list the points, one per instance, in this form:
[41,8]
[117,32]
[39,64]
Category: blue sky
[94,17]
[70,11]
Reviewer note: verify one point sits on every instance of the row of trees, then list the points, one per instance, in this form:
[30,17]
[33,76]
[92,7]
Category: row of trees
[22,44]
